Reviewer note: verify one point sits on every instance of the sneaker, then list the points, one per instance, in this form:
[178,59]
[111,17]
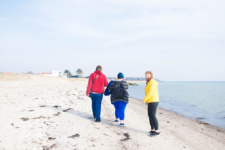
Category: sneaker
[122,124]
[116,120]
[153,133]
[97,120]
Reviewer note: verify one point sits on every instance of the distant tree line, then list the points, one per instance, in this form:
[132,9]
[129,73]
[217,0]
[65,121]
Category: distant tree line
[69,74]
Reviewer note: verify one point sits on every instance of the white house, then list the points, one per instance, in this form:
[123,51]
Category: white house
[55,73]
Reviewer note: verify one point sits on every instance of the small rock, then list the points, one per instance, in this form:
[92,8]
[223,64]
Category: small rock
[24,119]
[168,122]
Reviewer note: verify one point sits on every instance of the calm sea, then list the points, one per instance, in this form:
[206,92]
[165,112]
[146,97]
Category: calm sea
[192,99]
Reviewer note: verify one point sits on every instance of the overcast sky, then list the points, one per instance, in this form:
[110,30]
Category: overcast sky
[177,40]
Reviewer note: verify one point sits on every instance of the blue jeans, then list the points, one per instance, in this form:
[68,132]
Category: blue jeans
[96,104]
[120,109]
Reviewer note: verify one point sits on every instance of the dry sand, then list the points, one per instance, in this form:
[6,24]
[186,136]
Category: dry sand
[39,112]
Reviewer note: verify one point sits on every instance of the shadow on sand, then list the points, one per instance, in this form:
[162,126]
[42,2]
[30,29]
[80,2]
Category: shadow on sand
[87,116]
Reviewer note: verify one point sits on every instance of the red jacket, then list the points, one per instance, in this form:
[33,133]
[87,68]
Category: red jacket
[99,83]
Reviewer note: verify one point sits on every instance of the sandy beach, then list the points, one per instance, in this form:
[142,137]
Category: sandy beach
[39,112]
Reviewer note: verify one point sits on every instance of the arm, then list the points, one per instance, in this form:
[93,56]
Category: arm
[89,85]
[107,92]
[105,81]
[151,88]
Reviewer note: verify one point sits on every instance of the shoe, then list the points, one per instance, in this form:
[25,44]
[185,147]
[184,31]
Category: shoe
[116,120]
[122,124]
[97,120]
[153,133]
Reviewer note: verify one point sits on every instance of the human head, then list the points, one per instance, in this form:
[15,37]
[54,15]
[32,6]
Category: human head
[99,68]
[120,75]
[148,75]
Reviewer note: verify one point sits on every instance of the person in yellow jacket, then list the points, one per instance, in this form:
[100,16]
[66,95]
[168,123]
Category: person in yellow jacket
[152,99]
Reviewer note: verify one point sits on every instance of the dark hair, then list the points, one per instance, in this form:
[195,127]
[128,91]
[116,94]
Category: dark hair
[99,68]
[149,72]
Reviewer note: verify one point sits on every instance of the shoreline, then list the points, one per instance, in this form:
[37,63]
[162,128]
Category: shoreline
[55,113]
[187,117]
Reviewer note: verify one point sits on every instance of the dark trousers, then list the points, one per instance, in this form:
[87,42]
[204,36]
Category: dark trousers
[152,115]
[96,104]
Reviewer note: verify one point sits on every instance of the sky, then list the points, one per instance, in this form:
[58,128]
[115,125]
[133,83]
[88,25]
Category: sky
[177,40]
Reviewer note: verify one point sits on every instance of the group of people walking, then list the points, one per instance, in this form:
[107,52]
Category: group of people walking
[117,89]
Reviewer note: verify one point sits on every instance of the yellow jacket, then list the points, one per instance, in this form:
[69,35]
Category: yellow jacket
[151,92]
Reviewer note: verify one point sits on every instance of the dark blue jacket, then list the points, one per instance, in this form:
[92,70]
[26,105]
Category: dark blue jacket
[107,93]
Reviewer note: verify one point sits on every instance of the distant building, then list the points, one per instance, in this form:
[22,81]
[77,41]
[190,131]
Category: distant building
[7,72]
[55,73]
[52,73]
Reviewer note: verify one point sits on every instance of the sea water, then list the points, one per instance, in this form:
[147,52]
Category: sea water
[197,100]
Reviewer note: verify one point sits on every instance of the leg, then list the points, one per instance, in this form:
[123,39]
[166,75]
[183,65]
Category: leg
[152,107]
[116,105]
[98,105]
[151,124]
[122,106]
[93,99]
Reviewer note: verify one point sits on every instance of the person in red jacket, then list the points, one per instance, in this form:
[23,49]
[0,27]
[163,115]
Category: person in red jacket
[95,89]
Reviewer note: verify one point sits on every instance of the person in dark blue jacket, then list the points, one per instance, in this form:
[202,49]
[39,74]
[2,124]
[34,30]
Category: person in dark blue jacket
[119,97]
